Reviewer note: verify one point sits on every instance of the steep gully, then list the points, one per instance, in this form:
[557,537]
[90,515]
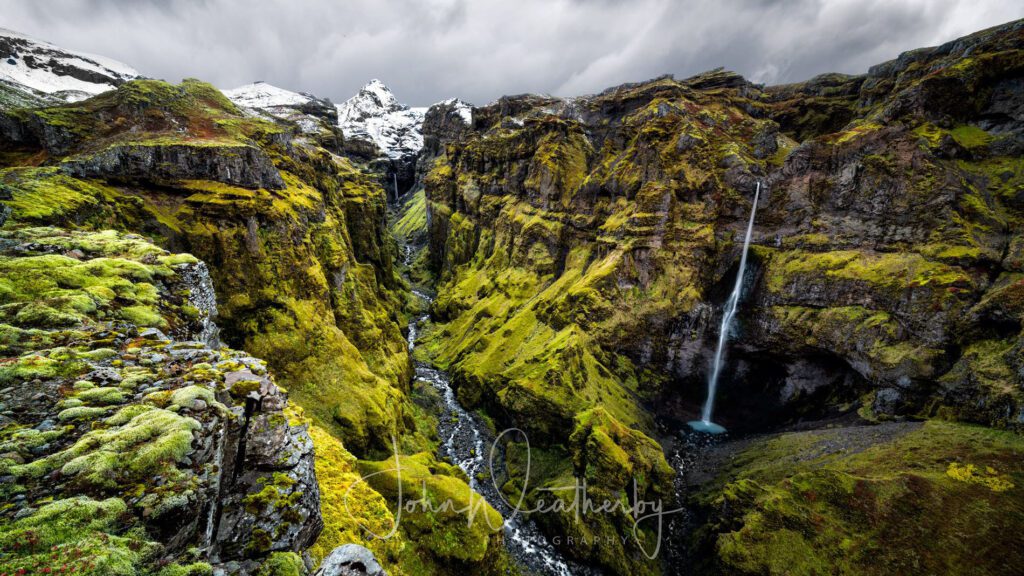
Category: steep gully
[468,443]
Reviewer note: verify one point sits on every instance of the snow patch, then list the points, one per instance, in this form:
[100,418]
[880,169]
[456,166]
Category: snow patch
[50,69]
[262,95]
[464,109]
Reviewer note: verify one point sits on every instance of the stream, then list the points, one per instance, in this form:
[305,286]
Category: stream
[467,442]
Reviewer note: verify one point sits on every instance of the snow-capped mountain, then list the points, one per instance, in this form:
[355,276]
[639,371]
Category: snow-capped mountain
[375,114]
[306,110]
[44,68]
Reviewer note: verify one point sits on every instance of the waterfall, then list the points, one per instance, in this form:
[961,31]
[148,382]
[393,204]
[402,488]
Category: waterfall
[705,424]
[395,175]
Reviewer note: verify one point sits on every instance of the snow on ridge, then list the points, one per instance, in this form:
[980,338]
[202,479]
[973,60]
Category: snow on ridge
[259,94]
[383,95]
[464,109]
[31,62]
[376,115]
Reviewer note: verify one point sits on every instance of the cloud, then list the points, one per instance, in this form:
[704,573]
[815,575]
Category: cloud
[428,50]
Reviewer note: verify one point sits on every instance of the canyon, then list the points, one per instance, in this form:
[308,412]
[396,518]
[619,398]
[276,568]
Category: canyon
[241,328]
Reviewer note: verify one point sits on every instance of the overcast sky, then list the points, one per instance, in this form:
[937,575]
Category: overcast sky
[429,50]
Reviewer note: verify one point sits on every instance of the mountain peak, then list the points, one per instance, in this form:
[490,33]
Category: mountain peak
[376,94]
[375,114]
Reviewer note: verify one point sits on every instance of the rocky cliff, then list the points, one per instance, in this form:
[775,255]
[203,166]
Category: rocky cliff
[122,448]
[584,247]
[294,235]
[297,262]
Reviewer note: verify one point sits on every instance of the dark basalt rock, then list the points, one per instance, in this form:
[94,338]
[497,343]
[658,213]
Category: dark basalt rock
[238,165]
[32,132]
[321,108]
[269,497]
[442,124]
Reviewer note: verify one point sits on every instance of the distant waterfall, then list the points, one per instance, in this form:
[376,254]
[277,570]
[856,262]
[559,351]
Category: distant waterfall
[705,424]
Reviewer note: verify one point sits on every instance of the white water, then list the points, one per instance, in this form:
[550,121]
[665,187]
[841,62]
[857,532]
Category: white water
[467,443]
[705,424]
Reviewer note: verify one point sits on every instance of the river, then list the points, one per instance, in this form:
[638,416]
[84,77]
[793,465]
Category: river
[467,442]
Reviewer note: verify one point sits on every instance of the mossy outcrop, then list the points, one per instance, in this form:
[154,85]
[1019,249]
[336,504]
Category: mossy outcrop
[607,480]
[938,497]
[448,528]
[125,451]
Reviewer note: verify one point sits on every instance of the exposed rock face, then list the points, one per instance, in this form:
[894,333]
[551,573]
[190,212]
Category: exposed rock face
[189,445]
[350,560]
[444,122]
[245,166]
[281,512]
[202,297]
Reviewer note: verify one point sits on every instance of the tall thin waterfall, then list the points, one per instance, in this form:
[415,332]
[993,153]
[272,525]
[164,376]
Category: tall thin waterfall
[705,424]
[396,186]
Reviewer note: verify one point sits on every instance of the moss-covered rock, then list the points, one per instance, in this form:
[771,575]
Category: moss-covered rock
[436,510]
[124,450]
[617,468]
[938,497]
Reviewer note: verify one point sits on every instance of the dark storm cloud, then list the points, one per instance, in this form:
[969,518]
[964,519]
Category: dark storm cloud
[427,50]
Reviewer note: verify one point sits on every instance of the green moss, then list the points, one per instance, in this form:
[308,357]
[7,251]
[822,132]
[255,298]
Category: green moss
[81,413]
[931,133]
[47,196]
[282,564]
[857,130]
[970,136]
[194,569]
[351,510]
[885,270]
[54,291]
[78,534]
[140,442]
[800,506]
[616,461]
[441,513]
[413,219]
[142,316]
[33,366]
[101,396]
